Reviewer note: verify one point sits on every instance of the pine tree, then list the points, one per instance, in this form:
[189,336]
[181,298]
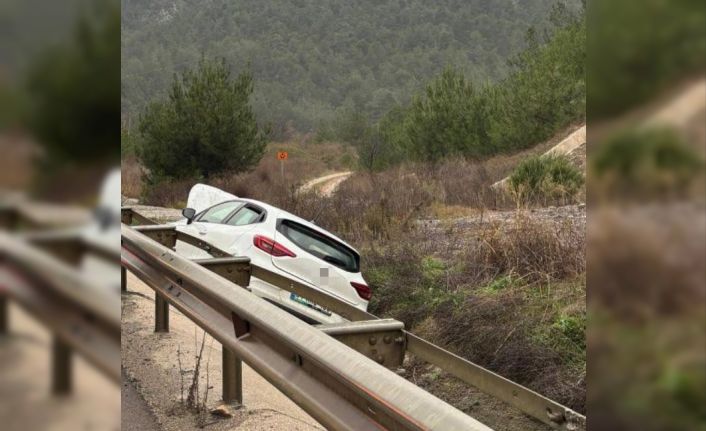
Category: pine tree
[205,127]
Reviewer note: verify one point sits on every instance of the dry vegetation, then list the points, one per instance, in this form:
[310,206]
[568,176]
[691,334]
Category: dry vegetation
[305,161]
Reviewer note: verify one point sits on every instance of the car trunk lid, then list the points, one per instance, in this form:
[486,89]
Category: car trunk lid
[202,196]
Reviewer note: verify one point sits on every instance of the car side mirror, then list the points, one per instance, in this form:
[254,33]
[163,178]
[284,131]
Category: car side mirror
[189,214]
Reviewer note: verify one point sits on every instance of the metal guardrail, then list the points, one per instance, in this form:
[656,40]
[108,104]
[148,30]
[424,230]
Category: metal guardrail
[381,340]
[38,272]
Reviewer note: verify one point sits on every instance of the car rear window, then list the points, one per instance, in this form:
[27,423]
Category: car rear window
[321,246]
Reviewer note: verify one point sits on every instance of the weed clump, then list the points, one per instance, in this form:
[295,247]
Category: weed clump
[546,179]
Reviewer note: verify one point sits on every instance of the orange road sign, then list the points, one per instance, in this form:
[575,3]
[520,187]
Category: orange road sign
[282,155]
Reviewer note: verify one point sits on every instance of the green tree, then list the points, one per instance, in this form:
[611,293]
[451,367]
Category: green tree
[309,58]
[546,89]
[205,127]
[449,118]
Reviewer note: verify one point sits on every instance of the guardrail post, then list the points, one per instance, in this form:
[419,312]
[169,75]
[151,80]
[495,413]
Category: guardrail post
[123,279]
[61,367]
[3,315]
[161,321]
[232,377]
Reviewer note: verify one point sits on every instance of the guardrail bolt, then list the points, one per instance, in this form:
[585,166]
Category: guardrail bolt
[387,339]
[373,340]
[399,340]
[61,368]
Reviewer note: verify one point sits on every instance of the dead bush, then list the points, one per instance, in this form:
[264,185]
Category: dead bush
[463,183]
[131,177]
[534,250]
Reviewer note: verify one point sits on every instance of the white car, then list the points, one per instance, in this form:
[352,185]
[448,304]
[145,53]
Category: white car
[280,242]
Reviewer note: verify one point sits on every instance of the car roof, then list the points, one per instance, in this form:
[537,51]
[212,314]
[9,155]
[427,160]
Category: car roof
[280,213]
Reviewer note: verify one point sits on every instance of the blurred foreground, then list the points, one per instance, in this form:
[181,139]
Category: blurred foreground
[59,297]
[646,252]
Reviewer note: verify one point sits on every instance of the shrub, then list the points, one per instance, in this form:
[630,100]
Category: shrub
[546,179]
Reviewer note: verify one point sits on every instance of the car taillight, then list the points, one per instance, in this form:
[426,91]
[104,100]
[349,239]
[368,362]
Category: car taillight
[363,290]
[269,246]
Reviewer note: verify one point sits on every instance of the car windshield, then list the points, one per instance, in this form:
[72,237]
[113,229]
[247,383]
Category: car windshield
[321,246]
[217,213]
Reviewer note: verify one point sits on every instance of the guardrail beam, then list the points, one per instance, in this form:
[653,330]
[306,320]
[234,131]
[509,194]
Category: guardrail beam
[129,216]
[232,377]
[235,269]
[61,378]
[381,340]
[161,315]
[69,251]
[163,234]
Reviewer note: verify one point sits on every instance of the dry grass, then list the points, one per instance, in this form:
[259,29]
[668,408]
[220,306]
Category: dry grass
[513,300]
[131,177]
[533,251]
[305,161]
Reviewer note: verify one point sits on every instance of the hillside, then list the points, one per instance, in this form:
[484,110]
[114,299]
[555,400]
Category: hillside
[311,59]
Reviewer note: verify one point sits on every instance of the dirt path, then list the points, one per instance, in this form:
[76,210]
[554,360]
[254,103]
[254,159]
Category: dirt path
[151,363]
[327,184]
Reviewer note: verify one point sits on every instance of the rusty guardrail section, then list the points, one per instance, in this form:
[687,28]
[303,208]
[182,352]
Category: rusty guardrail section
[380,340]
[37,271]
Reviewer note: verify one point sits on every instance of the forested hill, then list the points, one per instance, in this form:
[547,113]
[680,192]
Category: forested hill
[312,58]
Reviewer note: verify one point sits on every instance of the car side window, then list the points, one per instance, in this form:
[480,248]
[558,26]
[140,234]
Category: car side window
[244,216]
[219,212]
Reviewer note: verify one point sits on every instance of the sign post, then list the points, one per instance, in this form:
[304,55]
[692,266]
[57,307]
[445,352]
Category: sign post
[282,156]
